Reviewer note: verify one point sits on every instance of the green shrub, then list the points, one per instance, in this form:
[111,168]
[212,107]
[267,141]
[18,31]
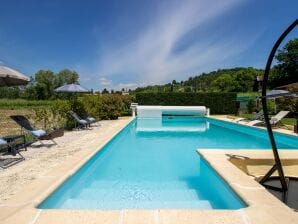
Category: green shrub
[54,114]
[219,103]
[127,100]
[271,107]
[106,106]
[60,116]
[92,105]
[287,103]
[251,106]
[112,106]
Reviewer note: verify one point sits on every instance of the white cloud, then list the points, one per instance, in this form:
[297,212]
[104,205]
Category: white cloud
[105,82]
[151,57]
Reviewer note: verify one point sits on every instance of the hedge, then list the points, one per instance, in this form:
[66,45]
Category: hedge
[219,103]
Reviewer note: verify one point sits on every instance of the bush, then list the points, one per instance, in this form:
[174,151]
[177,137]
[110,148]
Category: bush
[219,103]
[112,106]
[251,106]
[271,107]
[54,114]
[92,105]
[107,106]
[287,103]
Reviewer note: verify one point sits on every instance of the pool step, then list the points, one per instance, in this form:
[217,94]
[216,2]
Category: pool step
[93,204]
[140,185]
[137,195]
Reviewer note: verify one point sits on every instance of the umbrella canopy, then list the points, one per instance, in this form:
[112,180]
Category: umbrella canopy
[277,93]
[71,88]
[11,77]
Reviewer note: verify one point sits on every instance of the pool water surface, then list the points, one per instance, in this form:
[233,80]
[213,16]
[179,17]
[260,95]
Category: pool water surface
[152,163]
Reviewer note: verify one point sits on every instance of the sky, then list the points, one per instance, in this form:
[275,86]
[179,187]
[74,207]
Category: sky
[117,44]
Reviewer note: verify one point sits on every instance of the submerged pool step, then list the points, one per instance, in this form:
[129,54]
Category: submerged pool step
[93,204]
[137,195]
[140,185]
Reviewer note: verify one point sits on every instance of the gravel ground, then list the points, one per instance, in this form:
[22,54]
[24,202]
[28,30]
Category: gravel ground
[40,159]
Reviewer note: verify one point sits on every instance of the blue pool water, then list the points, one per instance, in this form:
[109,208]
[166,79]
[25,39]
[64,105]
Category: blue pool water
[152,163]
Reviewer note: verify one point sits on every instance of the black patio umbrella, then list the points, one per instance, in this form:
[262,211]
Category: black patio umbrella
[11,77]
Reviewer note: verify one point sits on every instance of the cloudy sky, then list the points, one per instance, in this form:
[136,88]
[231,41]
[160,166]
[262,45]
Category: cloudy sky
[118,44]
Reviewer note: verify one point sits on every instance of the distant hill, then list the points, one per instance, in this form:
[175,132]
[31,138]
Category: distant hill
[227,80]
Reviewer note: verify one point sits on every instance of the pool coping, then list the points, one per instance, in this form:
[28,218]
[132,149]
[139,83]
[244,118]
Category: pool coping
[22,207]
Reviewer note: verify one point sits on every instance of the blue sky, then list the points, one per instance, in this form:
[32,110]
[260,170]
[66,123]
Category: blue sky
[129,43]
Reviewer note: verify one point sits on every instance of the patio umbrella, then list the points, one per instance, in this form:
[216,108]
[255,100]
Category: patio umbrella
[277,93]
[71,88]
[11,77]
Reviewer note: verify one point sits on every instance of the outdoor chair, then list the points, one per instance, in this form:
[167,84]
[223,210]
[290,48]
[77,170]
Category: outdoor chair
[80,123]
[90,119]
[273,121]
[11,145]
[38,134]
[257,116]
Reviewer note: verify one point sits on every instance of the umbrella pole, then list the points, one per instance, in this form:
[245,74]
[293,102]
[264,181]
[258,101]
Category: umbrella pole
[277,166]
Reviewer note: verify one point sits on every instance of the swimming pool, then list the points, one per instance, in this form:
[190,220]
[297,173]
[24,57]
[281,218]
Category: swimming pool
[152,163]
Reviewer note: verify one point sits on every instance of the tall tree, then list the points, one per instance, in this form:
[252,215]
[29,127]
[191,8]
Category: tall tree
[45,83]
[224,83]
[67,76]
[286,71]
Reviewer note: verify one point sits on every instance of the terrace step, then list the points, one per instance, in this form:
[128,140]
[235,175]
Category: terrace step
[140,185]
[137,195]
[93,204]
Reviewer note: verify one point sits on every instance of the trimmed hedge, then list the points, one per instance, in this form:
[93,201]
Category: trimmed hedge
[219,103]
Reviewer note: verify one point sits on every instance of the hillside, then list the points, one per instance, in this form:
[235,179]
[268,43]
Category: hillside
[227,80]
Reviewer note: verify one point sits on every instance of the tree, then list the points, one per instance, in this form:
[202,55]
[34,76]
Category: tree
[45,83]
[66,76]
[105,91]
[286,71]
[224,83]
[245,80]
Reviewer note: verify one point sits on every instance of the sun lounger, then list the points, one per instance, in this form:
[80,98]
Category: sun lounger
[273,121]
[91,119]
[80,123]
[255,122]
[38,134]
[11,145]
[257,116]
[277,118]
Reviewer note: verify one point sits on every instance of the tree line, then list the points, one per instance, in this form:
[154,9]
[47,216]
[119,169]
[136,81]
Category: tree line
[42,85]
[240,79]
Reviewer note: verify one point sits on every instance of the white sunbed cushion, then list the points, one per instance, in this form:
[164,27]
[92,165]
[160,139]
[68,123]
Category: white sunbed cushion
[38,133]
[2,142]
[91,119]
[83,122]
